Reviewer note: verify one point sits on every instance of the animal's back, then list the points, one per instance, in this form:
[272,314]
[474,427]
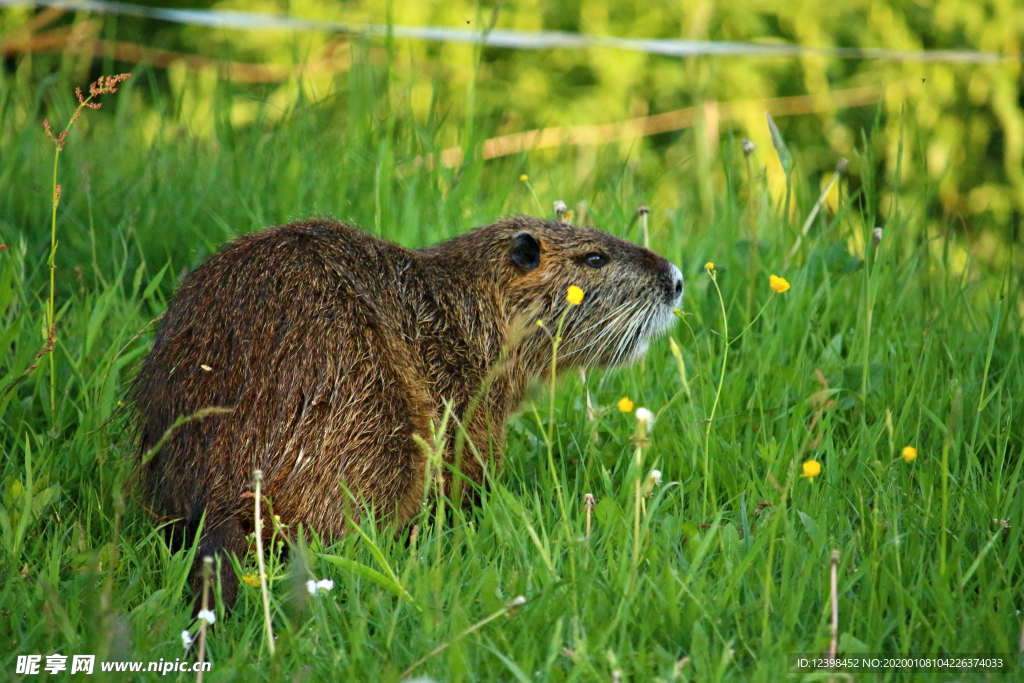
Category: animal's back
[299,331]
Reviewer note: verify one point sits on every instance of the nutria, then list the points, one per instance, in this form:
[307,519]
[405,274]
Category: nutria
[333,348]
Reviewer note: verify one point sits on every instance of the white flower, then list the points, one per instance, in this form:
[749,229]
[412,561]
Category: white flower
[654,477]
[644,417]
[206,615]
[186,639]
[315,587]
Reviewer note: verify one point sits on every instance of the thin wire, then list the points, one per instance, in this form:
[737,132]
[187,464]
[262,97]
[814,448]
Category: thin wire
[520,40]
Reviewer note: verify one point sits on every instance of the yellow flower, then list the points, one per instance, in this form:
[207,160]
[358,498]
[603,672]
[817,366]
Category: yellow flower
[625,405]
[250,579]
[523,178]
[812,468]
[709,266]
[909,453]
[779,285]
[574,295]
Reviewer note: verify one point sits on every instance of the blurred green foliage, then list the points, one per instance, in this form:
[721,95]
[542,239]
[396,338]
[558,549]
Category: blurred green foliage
[962,123]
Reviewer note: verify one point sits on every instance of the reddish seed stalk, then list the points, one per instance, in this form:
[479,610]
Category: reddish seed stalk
[104,85]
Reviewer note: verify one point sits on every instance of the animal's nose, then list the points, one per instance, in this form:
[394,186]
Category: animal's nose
[673,284]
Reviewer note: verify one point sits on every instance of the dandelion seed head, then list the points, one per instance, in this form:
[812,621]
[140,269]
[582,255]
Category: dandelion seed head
[314,587]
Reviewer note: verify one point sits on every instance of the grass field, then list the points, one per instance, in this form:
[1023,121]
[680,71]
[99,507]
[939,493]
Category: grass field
[718,572]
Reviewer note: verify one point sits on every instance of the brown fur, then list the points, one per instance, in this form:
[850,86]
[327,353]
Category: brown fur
[333,348]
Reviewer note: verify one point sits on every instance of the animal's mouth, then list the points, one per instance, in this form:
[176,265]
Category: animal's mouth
[658,323]
[624,335]
[636,340]
[664,319]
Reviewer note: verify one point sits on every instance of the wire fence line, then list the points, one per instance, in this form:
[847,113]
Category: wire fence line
[507,38]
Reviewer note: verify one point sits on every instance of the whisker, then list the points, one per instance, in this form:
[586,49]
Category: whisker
[609,328]
[640,324]
[594,324]
[614,326]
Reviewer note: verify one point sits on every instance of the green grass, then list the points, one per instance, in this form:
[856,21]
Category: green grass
[871,350]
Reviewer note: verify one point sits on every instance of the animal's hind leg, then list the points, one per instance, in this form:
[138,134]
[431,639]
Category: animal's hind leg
[223,534]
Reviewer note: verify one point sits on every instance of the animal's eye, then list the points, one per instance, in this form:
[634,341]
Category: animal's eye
[595,260]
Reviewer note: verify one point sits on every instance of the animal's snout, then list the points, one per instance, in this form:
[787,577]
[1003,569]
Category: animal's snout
[672,284]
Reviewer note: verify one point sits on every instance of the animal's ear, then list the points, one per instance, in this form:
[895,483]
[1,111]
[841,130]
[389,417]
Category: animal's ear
[525,251]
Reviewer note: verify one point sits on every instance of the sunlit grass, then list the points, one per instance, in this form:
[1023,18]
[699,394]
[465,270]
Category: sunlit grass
[716,568]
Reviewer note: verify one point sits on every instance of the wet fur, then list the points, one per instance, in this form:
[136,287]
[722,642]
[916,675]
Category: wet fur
[333,348]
